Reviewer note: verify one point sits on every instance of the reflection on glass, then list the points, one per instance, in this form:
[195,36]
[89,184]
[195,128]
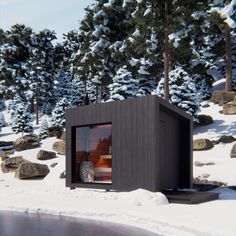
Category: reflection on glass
[93,155]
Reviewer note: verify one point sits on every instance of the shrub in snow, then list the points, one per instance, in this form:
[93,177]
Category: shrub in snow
[123,86]
[58,114]
[43,130]
[2,120]
[183,92]
[21,121]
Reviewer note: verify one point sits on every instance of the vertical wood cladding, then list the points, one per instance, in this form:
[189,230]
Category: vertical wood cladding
[147,143]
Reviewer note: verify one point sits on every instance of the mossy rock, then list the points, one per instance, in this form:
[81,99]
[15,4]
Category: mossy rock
[205,119]
[221,97]
[226,139]
[229,108]
[202,144]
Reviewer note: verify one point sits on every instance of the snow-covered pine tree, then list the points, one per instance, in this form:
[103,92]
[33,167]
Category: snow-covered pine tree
[207,45]
[123,86]
[58,114]
[14,53]
[224,13]
[141,46]
[64,55]
[70,46]
[78,89]
[83,59]
[63,85]
[21,122]
[183,92]
[46,108]
[11,105]
[104,26]
[2,105]
[2,120]
[43,130]
[41,69]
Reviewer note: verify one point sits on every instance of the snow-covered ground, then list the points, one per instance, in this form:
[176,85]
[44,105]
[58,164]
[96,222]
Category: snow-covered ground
[140,208]
[224,168]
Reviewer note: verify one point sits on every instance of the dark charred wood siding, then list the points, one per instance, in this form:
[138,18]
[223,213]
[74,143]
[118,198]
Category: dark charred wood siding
[141,155]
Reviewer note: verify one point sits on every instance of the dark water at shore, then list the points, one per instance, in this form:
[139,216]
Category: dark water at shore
[21,224]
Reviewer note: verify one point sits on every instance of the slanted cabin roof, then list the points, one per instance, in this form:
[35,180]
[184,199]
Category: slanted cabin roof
[164,105]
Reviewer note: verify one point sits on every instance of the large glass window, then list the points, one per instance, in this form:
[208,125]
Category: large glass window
[93,154]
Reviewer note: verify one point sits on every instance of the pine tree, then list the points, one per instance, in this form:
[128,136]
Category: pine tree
[21,122]
[2,105]
[102,29]
[142,45]
[41,69]
[70,45]
[78,89]
[63,86]
[46,108]
[123,86]
[183,92]
[14,53]
[176,26]
[225,13]
[12,105]
[207,51]
[2,120]
[43,130]
[58,114]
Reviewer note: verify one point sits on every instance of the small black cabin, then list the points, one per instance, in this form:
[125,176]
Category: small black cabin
[142,142]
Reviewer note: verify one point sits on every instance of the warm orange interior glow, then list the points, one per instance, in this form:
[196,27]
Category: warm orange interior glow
[104,163]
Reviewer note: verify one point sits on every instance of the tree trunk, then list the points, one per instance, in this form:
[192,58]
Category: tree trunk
[37,110]
[166,54]
[96,94]
[228,55]
[32,105]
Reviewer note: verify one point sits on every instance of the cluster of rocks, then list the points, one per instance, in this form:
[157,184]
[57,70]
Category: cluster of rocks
[225,99]
[202,144]
[24,169]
